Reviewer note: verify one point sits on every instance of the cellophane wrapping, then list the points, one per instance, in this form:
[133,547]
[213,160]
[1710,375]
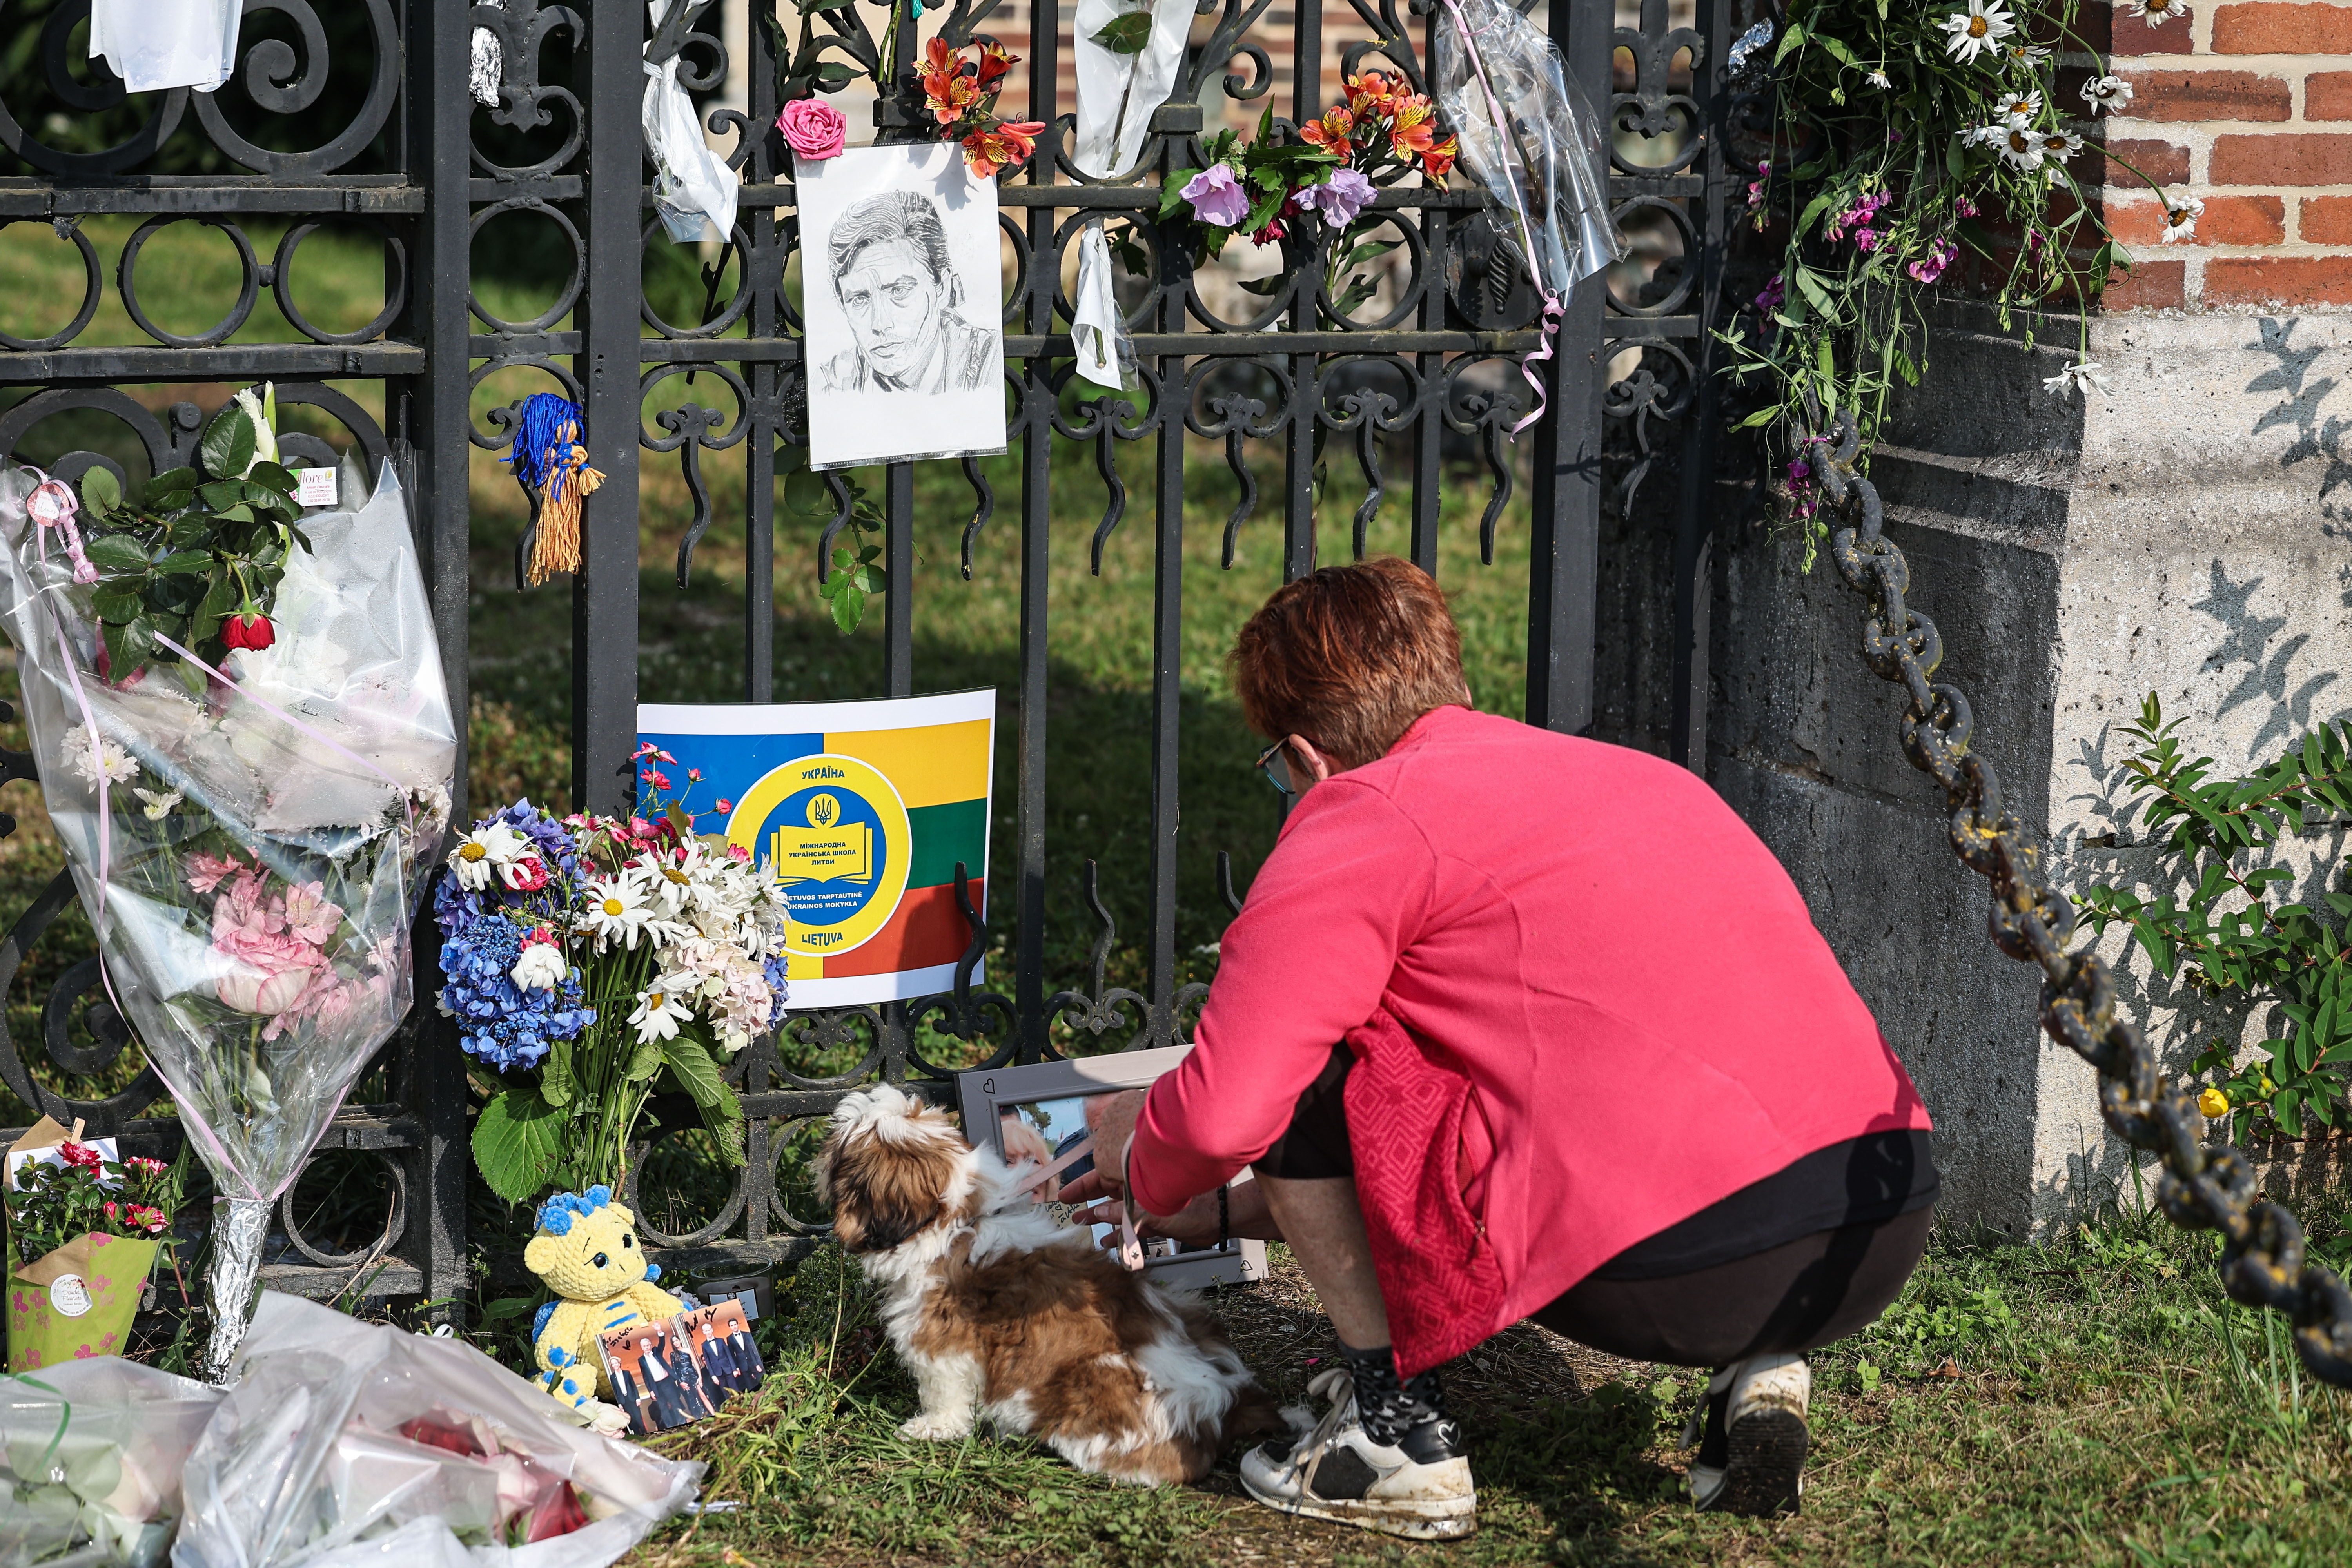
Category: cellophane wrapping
[91,1459]
[1547,161]
[251,854]
[343,1443]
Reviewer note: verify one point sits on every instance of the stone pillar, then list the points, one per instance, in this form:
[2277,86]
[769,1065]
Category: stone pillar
[2186,532]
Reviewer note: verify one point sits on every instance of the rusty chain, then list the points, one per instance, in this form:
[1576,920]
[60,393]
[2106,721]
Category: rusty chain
[2262,1261]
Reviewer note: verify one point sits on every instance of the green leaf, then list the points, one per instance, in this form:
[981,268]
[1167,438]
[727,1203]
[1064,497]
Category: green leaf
[1127,34]
[116,603]
[518,1139]
[1364,253]
[1837,48]
[807,494]
[506,1307]
[555,1080]
[1264,288]
[1810,284]
[849,604]
[182,479]
[117,553]
[695,1072]
[833,76]
[1788,41]
[275,478]
[102,492]
[644,1061]
[229,443]
[185,563]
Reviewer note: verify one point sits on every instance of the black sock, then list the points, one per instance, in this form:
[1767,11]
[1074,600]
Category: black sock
[1387,1405]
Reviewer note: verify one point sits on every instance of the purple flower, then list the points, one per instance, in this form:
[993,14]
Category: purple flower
[1799,471]
[1866,240]
[1774,292]
[1931,267]
[1338,201]
[1216,196]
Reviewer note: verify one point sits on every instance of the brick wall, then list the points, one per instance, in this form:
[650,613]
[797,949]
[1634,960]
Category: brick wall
[2247,106]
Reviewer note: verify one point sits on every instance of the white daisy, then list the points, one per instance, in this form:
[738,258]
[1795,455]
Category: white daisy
[2024,54]
[1878,80]
[94,757]
[2180,216]
[2111,93]
[1982,26]
[661,1009]
[2020,109]
[2022,147]
[2159,11]
[2081,376]
[485,852]
[159,803]
[615,910]
[2059,144]
[541,967]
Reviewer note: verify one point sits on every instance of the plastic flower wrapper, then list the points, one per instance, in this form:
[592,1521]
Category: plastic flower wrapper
[1546,161]
[248,841]
[344,1443]
[91,1460]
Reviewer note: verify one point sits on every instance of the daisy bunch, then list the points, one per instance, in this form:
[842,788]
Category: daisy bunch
[594,961]
[1909,149]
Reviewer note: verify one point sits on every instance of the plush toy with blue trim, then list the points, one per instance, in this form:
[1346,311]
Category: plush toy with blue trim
[586,1249]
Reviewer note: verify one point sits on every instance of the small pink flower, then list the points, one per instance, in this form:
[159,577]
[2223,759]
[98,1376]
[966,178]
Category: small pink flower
[1964,208]
[1866,240]
[813,128]
[726,804]
[524,874]
[206,871]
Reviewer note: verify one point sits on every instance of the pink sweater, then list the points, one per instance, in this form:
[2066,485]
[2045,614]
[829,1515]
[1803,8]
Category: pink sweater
[1631,981]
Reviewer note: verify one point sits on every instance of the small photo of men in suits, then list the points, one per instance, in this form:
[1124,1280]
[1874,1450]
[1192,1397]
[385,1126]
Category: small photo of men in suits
[656,1377]
[721,1337]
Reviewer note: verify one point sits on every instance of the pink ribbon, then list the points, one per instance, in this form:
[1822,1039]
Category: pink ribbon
[57,500]
[1131,1248]
[1551,307]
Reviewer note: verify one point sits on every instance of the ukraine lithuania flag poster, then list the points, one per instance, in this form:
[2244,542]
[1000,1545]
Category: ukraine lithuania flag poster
[862,811]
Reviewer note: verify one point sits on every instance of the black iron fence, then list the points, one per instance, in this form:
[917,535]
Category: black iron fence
[365,118]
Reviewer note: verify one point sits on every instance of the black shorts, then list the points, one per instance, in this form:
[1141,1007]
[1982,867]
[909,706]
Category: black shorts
[1314,1145]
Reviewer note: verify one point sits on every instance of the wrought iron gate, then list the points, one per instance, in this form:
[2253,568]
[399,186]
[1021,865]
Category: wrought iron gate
[419,162]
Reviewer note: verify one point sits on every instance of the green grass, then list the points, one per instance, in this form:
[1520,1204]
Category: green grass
[2095,1402]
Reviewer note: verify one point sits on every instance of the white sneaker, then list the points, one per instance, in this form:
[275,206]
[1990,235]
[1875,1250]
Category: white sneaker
[1420,1487]
[1751,1437]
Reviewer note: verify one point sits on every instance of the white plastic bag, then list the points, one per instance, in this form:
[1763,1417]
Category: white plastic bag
[253,860]
[1117,94]
[157,44]
[327,1452]
[692,184]
[90,1457]
[1530,136]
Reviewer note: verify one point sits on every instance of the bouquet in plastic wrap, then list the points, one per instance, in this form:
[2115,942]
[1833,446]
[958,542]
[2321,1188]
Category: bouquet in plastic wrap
[246,745]
[344,1443]
[1531,137]
[91,1460]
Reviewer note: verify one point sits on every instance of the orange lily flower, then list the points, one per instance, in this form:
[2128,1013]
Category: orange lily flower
[951,92]
[1371,93]
[986,151]
[1413,132]
[1332,132]
[993,63]
[1438,162]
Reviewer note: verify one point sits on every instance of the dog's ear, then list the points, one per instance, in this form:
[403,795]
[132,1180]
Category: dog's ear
[883,1196]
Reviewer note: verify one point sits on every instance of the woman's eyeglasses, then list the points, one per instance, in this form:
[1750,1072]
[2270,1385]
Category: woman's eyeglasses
[1276,766]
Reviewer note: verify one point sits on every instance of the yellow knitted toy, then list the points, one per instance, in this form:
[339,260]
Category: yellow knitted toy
[586,1250]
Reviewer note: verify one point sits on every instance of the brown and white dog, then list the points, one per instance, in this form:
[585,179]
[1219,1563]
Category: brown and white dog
[999,1311]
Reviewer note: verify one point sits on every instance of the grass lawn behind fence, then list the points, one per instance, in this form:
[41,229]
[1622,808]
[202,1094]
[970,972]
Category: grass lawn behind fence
[2094,1402]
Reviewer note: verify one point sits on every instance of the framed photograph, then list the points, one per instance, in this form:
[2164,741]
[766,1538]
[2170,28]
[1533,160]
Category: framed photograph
[1035,1115]
[901,290]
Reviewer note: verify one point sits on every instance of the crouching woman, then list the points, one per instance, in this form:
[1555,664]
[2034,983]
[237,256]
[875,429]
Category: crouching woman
[1515,1025]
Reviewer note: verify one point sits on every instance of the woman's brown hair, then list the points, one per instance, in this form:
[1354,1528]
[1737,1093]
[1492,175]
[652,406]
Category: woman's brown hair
[1348,657]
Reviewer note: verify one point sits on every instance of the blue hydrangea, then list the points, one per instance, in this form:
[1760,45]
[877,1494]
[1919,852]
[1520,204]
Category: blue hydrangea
[454,906]
[497,1020]
[774,970]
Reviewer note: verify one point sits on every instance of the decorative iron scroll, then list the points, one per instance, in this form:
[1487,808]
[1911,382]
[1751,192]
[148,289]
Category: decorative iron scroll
[362,118]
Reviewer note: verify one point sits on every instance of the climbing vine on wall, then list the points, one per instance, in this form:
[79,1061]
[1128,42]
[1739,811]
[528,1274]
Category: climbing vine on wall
[1911,148]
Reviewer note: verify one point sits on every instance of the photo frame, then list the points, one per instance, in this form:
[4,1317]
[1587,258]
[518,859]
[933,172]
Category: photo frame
[1022,1111]
[901,294]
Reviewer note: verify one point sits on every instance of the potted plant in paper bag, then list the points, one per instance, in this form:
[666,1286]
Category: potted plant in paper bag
[83,1232]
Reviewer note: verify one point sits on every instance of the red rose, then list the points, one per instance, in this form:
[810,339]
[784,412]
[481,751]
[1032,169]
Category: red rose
[248,631]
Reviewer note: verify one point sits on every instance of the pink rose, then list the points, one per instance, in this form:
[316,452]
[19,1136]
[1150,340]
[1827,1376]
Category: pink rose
[813,128]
